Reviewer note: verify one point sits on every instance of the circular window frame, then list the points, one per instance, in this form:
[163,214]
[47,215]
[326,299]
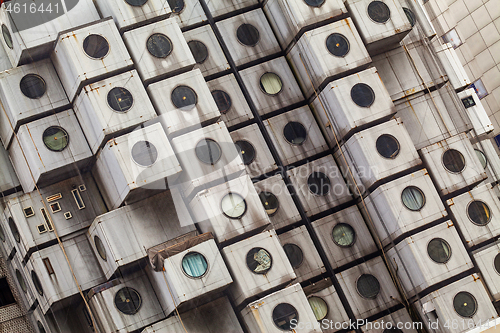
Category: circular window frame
[135,291]
[295,144]
[180,11]
[326,304]
[67,138]
[475,301]
[470,219]
[3,237]
[272,315]
[97,240]
[20,279]
[277,200]
[395,139]
[409,13]
[137,163]
[90,57]
[224,213]
[345,38]
[444,166]
[37,76]
[301,251]
[485,158]
[111,108]
[270,256]
[253,147]
[126,1]
[367,14]
[197,277]
[251,25]
[162,35]
[359,293]
[262,88]
[13,226]
[226,95]
[208,139]
[447,244]
[423,195]
[191,90]
[37,283]
[354,239]
[4,30]
[494,267]
[312,6]
[208,51]
[309,187]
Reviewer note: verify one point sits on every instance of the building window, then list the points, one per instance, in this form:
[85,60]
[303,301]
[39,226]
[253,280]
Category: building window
[120,99]
[295,133]
[387,146]
[2,234]
[270,83]
[13,229]
[159,45]
[452,38]
[233,206]
[319,307]
[283,314]
[78,199]
[194,265]
[21,281]
[6,296]
[379,12]
[100,248]
[368,286]
[55,207]
[410,16]
[176,6]
[222,100]
[7,37]
[48,266]
[343,235]
[247,34]
[55,138]
[294,254]
[37,283]
[270,202]
[96,46]
[144,153]
[337,44]
[246,151]
[208,151]
[479,213]
[259,261]
[479,88]
[439,250]
[413,198]
[318,183]
[53,197]
[362,95]
[33,86]
[136,3]
[128,301]
[199,51]
[465,304]
[184,98]
[453,161]
[40,327]
[496,263]
[314,3]
[468,102]
[28,211]
[482,158]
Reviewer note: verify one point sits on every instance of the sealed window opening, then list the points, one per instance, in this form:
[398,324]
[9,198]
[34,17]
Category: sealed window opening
[96,46]
[194,265]
[439,250]
[295,133]
[159,45]
[318,183]
[120,99]
[208,151]
[184,98]
[37,283]
[387,146]
[294,254]
[21,281]
[222,100]
[144,153]
[46,218]
[28,211]
[53,197]
[271,84]
[55,138]
[413,198]
[368,286]
[337,44]
[78,199]
[68,215]
[33,86]
[318,306]
[41,228]
[128,301]
[101,250]
[465,304]
[48,266]
[453,161]
[136,3]
[468,102]
[283,314]
[314,3]
[410,16]
[6,297]
[199,51]
[343,235]
[55,207]
[362,95]
[246,151]
[40,327]
[496,263]
[270,202]
[13,229]
[482,158]
[7,37]
[233,206]
[2,234]
[82,188]
[379,12]
[176,6]
[479,213]
[259,261]
[247,34]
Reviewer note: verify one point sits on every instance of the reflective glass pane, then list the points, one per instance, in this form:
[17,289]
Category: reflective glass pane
[319,307]
[37,283]
[465,304]
[283,314]
[194,264]
[453,160]
[120,99]
[21,281]
[318,183]
[363,95]
[184,98]
[7,37]
[100,248]
[137,3]
[246,151]
[379,12]
[343,235]
[496,263]
[270,202]
[482,158]
[96,46]
[222,100]
[128,301]
[439,250]
[2,234]
[208,151]
[413,198]
[144,153]
[159,45]
[409,15]
[199,51]
[387,146]
[337,44]
[247,34]
[479,212]
[13,229]
[176,5]
[271,83]
[294,254]
[314,3]
[259,261]
[368,286]
[33,86]
[233,205]
[295,133]
[55,138]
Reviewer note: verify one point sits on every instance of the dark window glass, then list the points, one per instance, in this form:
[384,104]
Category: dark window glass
[247,34]
[222,100]
[392,330]
[159,45]
[37,283]
[6,296]
[184,98]
[318,183]
[379,12]
[271,83]
[100,248]
[120,99]
[314,3]
[194,264]
[137,3]
[199,51]
[465,304]
[468,102]
[368,286]
[337,44]
[496,263]
[479,212]
[128,301]
[13,229]
[208,151]
[259,261]
[439,250]
[270,202]
[233,205]
[246,151]
[96,46]
[2,234]
[283,314]
[294,254]
[387,146]
[144,153]
[33,86]
[176,5]
[410,16]
[295,133]
[55,138]
[482,158]
[363,95]
[453,161]
[7,37]
[343,235]
[413,198]
[21,281]
[40,327]
[319,307]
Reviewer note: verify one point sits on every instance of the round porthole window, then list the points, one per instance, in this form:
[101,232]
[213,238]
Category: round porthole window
[314,3]
[21,281]
[40,327]
[247,34]
[270,83]
[270,202]
[7,36]
[33,86]
[479,212]
[482,158]
[37,283]
[453,161]
[159,45]
[199,51]
[343,235]
[496,263]
[318,183]
[184,98]
[465,304]
[283,314]
[96,46]
[233,205]
[128,301]
[387,146]
[246,151]
[410,16]
[295,133]
[222,100]
[392,330]
[362,95]
[439,250]
[194,264]
[259,261]
[208,151]
[136,3]
[120,99]
[294,254]
[55,138]
[413,198]
[176,6]
[368,286]
[13,229]
[144,153]
[379,12]
[319,307]
[2,234]
[100,247]
[337,45]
